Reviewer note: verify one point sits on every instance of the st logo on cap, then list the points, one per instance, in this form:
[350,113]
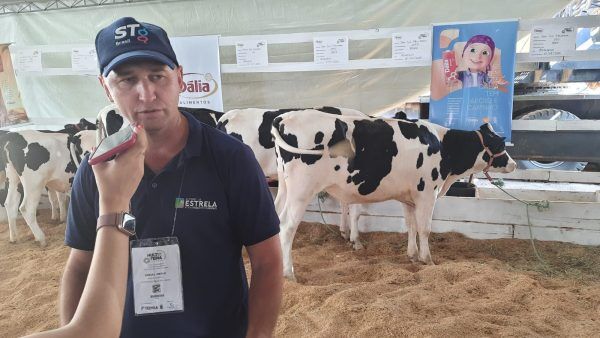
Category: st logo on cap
[126,40]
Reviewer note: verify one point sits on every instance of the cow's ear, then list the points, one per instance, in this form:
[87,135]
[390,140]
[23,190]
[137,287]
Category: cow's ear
[486,128]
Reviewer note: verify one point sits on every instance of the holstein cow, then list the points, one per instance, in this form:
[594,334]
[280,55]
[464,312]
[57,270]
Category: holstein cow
[57,200]
[358,160]
[38,160]
[252,126]
[110,120]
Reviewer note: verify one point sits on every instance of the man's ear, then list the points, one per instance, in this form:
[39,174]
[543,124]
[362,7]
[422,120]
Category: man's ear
[180,78]
[105,86]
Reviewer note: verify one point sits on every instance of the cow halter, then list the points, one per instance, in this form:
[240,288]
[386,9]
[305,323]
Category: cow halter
[490,154]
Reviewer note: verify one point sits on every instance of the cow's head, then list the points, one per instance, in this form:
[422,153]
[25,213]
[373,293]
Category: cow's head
[83,124]
[86,125]
[494,150]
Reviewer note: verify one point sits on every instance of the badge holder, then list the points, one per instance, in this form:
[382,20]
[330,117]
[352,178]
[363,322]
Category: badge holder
[156,275]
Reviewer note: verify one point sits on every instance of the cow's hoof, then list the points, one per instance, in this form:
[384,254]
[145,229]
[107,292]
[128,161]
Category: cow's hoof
[345,235]
[12,242]
[43,243]
[358,245]
[413,259]
[291,278]
[427,261]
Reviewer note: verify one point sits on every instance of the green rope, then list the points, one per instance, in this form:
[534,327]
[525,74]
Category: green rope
[540,205]
[321,198]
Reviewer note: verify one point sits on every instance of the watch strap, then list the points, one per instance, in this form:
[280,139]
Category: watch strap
[112,219]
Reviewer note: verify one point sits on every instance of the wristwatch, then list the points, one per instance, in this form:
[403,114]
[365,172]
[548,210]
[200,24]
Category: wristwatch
[124,221]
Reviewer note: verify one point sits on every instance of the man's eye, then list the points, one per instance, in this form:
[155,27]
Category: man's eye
[127,80]
[157,77]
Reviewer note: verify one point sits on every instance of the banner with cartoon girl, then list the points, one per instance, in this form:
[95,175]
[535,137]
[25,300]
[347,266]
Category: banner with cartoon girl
[472,75]
[11,107]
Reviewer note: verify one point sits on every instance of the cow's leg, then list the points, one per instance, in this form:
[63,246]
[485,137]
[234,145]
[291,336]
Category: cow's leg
[33,193]
[344,218]
[290,217]
[280,198]
[62,205]
[411,225]
[54,204]
[423,214]
[354,215]
[11,204]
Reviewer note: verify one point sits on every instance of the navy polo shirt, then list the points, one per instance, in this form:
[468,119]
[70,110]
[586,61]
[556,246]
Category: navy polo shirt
[226,205]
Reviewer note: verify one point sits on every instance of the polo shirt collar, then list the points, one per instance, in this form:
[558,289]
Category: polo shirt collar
[193,145]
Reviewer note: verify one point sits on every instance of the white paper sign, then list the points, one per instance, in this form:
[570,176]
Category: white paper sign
[552,41]
[331,50]
[28,60]
[83,59]
[412,46]
[201,71]
[252,53]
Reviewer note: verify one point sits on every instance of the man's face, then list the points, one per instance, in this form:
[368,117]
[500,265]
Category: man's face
[146,92]
[477,57]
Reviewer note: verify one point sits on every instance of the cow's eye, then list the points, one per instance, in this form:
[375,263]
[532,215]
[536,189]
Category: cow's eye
[473,50]
[485,52]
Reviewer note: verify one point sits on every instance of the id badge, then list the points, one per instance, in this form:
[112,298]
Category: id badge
[156,274]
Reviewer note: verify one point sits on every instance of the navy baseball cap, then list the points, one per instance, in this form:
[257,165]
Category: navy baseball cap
[126,40]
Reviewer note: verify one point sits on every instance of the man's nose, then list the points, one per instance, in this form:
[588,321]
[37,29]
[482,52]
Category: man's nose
[146,91]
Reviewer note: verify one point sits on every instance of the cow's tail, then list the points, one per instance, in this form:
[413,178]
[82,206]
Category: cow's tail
[281,143]
[3,155]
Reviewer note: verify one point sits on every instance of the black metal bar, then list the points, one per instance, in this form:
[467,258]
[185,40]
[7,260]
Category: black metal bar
[568,145]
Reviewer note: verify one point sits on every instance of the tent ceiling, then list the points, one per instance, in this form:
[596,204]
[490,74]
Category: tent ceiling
[39,6]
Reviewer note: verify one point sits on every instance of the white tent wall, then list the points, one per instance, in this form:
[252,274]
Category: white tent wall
[70,97]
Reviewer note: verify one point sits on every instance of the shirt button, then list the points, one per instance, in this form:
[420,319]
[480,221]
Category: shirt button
[154,185]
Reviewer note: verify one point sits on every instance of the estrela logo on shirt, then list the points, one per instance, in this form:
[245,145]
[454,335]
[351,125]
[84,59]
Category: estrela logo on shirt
[195,203]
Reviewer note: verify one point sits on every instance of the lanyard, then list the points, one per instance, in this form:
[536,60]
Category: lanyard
[178,195]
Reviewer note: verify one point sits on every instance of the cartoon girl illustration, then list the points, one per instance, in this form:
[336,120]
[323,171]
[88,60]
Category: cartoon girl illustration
[477,57]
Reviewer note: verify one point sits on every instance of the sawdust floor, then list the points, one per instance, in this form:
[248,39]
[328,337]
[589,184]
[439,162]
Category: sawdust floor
[477,288]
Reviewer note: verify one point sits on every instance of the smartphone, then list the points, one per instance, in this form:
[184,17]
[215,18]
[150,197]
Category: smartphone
[113,145]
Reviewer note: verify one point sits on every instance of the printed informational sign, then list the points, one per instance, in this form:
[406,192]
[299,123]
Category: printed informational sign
[28,60]
[11,107]
[199,57]
[330,50]
[412,46]
[552,41]
[83,59]
[252,53]
[472,75]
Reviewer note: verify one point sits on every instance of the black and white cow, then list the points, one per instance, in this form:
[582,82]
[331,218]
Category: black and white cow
[358,160]
[110,120]
[58,200]
[252,126]
[37,160]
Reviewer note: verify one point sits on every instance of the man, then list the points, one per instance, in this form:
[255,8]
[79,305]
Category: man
[202,198]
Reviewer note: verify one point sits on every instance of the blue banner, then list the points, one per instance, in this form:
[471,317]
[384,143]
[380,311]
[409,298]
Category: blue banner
[472,75]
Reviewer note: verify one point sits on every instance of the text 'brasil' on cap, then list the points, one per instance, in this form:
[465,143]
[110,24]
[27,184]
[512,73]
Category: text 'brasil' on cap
[126,40]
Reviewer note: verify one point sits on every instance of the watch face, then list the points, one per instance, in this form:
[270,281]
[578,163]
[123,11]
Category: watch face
[128,224]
